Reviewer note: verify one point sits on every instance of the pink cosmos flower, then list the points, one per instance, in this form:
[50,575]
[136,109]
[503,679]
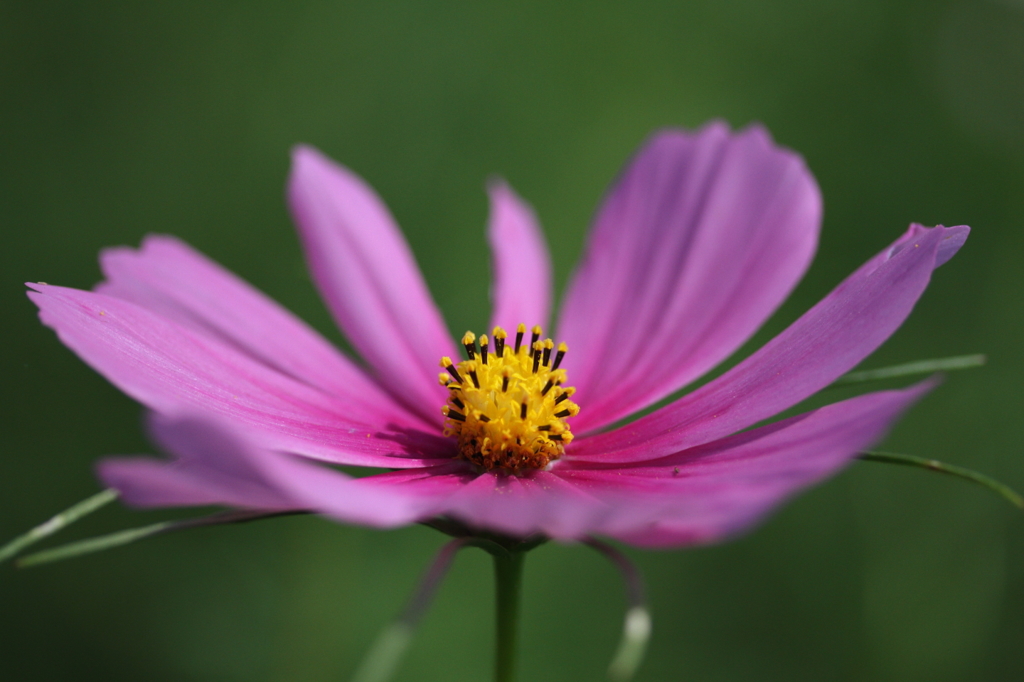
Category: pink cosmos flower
[695,246]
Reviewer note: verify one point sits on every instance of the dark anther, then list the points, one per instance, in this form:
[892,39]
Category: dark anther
[484,418]
[455,374]
[522,410]
[546,427]
[452,414]
[504,383]
[555,436]
[563,413]
[547,387]
[471,350]
[558,359]
[519,338]
[483,352]
[564,396]
[458,403]
[536,362]
[473,376]
[547,355]
[499,346]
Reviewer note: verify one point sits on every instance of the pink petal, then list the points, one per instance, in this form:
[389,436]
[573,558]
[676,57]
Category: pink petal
[171,279]
[212,467]
[171,369]
[535,502]
[369,279]
[694,496]
[696,245]
[215,465]
[827,341]
[707,493]
[521,291]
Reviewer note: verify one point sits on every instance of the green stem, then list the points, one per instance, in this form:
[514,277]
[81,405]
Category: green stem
[508,580]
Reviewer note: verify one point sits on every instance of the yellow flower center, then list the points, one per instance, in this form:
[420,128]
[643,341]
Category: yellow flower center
[507,408]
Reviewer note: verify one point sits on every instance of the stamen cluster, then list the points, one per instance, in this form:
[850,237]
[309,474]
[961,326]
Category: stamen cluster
[507,408]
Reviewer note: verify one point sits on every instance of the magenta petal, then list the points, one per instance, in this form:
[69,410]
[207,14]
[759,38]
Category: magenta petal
[700,495]
[214,465]
[698,242]
[170,278]
[369,279]
[171,369]
[539,503]
[535,502]
[710,492]
[827,341]
[521,290]
[695,496]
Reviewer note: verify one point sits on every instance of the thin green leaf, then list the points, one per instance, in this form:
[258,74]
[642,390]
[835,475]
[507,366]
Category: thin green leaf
[934,465]
[381,662]
[130,535]
[65,518]
[632,646]
[911,369]
[91,545]
[636,631]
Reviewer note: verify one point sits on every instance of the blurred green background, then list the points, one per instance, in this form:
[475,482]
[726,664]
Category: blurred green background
[121,119]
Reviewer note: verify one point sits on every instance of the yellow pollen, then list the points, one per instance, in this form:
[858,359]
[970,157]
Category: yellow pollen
[507,406]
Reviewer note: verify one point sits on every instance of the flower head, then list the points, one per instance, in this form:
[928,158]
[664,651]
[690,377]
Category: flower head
[695,246]
[508,410]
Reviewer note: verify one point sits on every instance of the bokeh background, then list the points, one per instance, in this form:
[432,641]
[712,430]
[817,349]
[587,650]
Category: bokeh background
[121,119]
